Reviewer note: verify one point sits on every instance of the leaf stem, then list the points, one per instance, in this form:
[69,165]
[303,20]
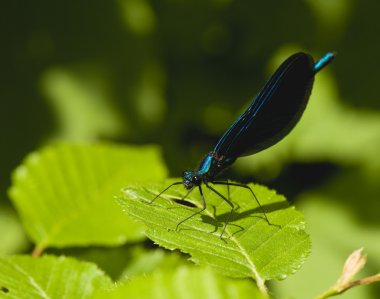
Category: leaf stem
[364,281]
[262,287]
[37,251]
[327,294]
[337,291]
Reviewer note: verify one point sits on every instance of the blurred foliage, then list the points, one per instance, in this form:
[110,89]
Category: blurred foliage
[11,232]
[183,282]
[176,74]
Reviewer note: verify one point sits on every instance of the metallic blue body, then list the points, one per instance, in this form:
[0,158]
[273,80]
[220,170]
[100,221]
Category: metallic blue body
[270,117]
[205,165]
[325,60]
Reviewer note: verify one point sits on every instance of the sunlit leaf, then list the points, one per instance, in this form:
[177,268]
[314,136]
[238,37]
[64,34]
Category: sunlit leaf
[64,193]
[184,282]
[250,248]
[49,277]
[12,236]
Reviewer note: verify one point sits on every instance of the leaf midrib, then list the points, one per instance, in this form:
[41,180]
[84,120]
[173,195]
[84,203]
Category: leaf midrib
[31,279]
[259,280]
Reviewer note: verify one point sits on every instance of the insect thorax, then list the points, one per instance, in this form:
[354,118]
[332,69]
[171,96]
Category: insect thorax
[213,164]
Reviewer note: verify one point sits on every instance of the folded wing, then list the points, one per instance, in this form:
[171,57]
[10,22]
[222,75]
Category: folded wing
[274,112]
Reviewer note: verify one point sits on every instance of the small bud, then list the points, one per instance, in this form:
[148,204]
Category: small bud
[352,266]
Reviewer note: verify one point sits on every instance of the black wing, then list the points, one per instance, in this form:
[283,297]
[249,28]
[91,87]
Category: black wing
[274,112]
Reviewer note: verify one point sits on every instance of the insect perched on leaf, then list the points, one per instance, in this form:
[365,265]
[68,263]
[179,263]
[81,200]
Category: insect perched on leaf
[270,117]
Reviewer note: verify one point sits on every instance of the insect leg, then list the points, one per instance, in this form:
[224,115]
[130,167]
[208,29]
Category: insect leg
[228,201]
[250,189]
[228,189]
[167,188]
[227,183]
[196,213]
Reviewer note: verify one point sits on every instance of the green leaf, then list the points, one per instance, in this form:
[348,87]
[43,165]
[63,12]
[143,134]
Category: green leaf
[251,248]
[49,277]
[65,193]
[184,282]
[12,236]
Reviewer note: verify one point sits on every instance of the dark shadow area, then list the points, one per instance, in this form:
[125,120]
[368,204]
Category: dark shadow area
[358,48]
[294,179]
[299,177]
[268,208]
[357,190]
[184,202]
[220,219]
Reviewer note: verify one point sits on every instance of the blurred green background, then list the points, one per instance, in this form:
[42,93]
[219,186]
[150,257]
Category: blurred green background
[177,73]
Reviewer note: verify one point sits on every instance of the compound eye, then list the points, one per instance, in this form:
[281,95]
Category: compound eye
[195,179]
